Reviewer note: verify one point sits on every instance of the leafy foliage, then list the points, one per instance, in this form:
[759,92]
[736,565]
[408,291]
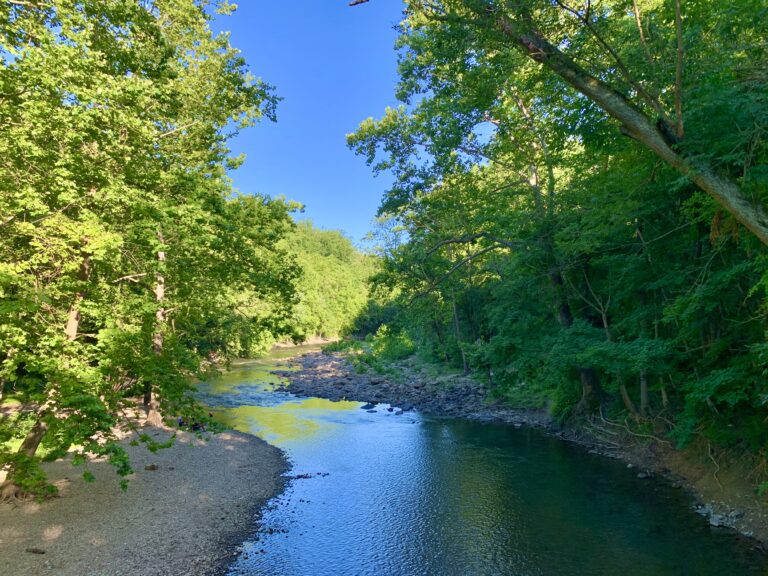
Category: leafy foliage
[332,290]
[127,266]
[569,265]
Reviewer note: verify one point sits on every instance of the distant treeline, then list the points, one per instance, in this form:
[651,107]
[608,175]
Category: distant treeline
[333,287]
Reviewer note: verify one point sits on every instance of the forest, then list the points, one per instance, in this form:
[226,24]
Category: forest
[578,209]
[577,217]
[128,264]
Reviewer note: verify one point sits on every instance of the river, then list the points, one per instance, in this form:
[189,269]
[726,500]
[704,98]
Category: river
[380,494]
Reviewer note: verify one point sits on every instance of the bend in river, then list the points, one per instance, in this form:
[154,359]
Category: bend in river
[375,493]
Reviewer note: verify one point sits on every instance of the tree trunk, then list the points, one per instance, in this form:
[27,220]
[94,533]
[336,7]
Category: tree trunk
[628,404]
[591,391]
[150,400]
[591,394]
[637,125]
[664,397]
[33,439]
[643,394]
[73,315]
[457,332]
[31,442]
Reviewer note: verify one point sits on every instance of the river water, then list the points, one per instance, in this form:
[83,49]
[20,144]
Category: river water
[380,494]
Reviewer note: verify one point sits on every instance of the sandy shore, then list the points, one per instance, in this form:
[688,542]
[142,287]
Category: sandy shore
[186,510]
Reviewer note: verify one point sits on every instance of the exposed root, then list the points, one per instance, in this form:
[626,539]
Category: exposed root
[717,466]
[625,426]
[11,492]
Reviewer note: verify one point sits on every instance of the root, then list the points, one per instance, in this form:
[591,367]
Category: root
[11,492]
[717,466]
[625,426]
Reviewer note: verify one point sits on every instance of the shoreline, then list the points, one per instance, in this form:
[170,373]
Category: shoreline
[333,377]
[187,510]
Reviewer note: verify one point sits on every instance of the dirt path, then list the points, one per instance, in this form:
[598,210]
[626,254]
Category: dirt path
[186,510]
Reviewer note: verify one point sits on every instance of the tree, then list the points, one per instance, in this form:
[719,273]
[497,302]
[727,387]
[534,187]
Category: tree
[117,219]
[332,289]
[564,251]
[624,73]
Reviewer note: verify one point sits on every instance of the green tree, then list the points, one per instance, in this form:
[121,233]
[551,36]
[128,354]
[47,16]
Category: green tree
[333,289]
[117,219]
[541,247]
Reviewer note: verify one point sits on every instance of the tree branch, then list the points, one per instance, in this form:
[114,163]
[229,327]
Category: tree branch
[638,20]
[130,278]
[652,99]
[679,72]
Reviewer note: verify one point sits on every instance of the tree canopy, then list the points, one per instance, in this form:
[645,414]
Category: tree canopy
[579,193]
[126,261]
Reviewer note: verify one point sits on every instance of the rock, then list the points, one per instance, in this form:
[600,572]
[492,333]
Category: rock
[717,520]
[399,413]
[643,475]
[367,406]
[390,409]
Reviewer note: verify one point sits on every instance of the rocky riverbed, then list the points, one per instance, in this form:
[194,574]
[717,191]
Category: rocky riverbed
[332,376]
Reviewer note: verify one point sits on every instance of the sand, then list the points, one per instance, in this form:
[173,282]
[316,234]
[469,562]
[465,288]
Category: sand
[185,517]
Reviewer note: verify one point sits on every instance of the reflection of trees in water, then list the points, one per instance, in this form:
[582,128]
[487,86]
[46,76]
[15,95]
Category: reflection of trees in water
[454,497]
[479,519]
[288,421]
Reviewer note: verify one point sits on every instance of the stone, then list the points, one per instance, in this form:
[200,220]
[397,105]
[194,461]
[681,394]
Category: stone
[717,520]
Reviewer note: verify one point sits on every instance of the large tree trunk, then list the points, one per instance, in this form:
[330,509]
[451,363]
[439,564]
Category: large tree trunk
[150,400]
[591,392]
[657,136]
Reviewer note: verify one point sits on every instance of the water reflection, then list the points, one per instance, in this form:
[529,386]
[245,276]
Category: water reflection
[408,495]
[282,422]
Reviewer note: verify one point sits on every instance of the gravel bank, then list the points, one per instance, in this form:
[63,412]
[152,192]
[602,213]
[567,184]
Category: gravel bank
[187,509]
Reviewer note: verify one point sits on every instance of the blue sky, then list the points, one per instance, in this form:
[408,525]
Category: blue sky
[334,66]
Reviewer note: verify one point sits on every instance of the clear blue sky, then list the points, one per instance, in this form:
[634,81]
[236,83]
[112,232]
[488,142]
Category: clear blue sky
[334,66]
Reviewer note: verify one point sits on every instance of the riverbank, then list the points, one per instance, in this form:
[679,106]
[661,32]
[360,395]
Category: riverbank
[723,494]
[186,510]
